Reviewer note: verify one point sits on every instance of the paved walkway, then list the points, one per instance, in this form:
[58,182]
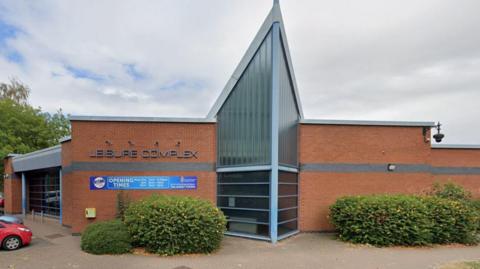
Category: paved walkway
[54,247]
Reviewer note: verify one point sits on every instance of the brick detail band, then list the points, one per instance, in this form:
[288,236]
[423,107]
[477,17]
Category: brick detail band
[137,166]
[383,168]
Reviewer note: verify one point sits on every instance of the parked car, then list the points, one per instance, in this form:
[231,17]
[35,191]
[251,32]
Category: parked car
[11,219]
[13,235]
[2,200]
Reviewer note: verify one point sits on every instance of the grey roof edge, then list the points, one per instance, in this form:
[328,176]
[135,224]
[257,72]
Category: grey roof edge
[369,122]
[13,155]
[275,15]
[38,153]
[140,119]
[455,146]
[65,139]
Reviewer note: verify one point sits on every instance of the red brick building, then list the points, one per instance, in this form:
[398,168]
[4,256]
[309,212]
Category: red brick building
[273,172]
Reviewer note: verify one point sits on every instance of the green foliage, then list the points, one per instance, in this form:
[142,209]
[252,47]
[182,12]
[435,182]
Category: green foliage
[170,225]
[23,128]
[108,237]
[450,191]
[453,221]
[123,201]
[15,91]
[385,220]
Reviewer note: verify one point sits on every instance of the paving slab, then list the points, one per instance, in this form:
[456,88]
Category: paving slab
[54,247]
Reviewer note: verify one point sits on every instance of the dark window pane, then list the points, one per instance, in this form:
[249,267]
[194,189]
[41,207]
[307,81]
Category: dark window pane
[287,189]
[287,214]
[286,177]
[243,202]
[287,227]
[243,190]
[248,228]
[247,177]
[287,202]
[246,215]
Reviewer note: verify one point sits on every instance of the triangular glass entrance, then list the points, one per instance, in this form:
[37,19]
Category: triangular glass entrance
[257,124]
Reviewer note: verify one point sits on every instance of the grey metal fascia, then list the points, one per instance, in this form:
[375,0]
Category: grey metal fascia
[44,158]
[65,139]
[455,146]
[247,57]
[370,123]
[141,119]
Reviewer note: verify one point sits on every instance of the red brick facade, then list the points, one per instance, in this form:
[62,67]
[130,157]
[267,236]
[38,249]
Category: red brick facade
[354,146]
[90,136]
[12,187]
[345,144]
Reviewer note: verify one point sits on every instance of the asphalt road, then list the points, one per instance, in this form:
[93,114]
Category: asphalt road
[54,247]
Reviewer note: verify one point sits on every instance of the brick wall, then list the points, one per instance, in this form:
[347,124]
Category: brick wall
[360,146]
[89,136]
[12,188]
[457,158]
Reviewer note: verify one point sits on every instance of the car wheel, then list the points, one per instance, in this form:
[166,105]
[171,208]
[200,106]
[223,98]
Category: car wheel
[12,243]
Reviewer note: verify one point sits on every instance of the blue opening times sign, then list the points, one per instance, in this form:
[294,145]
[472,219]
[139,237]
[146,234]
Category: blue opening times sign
[143,182]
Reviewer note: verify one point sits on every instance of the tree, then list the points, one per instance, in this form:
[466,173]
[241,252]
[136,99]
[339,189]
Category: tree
[15,91]
[24,128]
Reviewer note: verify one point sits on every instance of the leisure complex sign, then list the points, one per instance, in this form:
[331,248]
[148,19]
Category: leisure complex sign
[146,154]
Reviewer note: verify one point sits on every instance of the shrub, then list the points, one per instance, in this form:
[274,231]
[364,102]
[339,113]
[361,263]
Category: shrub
[450,191]
[108,237]
[382,220]
[453,221]
[404,220]
[170,225]
[123,201]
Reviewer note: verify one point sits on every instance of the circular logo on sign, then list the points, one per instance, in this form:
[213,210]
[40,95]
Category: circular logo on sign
[99,182]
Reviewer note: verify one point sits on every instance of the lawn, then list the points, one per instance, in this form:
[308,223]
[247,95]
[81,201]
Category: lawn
[463,265]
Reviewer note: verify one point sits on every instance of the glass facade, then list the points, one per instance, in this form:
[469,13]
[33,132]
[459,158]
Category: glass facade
[263,204]
[287,202]
[288,116]
[244,121]
[44,191]
[245,200]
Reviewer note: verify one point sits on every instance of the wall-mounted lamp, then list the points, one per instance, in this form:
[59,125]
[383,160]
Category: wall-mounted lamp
[108,142]
[391,167]
[178,143]
[156,143]
[438,136]
[131,143]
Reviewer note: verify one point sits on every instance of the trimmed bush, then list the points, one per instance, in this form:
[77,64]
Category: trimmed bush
[450,191]
[453,221]
[170,225]
[108,237]
[382,220]
[385,220]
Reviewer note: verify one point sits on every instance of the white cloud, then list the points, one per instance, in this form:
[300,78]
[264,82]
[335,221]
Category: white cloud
[404,60]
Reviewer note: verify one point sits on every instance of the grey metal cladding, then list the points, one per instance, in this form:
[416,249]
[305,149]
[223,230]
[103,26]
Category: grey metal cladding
[456,170]
[138,166]
[382,168]
[288,115]
[243,122]
[45,158]
[358,168]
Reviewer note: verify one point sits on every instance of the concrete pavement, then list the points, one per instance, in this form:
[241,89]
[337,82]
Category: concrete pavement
[54,247]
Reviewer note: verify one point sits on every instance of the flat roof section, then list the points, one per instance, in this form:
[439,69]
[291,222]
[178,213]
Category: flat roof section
[140,119]
[40,159]
[455,146]
[369,123]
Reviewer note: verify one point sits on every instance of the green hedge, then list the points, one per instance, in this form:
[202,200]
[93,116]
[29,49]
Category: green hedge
[170,225]
[109,237]
[386,220]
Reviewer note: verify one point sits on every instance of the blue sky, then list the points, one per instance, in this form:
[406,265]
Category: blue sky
[369,60]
